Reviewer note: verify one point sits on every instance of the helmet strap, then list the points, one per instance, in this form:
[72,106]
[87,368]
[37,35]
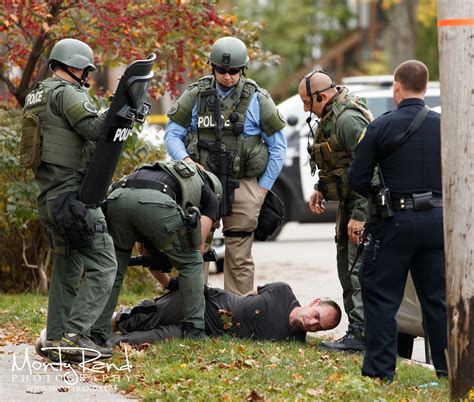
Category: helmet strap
[81,81]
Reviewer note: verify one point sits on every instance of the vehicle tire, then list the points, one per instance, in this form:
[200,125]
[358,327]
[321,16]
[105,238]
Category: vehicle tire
[405,345]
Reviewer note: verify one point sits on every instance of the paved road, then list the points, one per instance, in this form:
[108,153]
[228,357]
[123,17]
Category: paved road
[304,255]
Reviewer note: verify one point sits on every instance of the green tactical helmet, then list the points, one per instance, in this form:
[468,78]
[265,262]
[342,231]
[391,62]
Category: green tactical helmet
[229,52]
[73,53]
[215,184]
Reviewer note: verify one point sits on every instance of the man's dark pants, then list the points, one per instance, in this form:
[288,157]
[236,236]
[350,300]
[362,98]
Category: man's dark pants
[411,240]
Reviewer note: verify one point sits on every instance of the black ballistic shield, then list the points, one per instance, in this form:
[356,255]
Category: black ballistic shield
[128,106]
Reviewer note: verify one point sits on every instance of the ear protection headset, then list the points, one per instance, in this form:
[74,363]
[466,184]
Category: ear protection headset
[319,98]
[307,78]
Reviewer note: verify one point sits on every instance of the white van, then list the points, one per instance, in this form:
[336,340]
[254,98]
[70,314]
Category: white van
[295,183]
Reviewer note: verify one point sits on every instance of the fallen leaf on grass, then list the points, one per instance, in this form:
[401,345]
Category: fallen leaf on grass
[254,396]
[249,363]
[129,389]
[297,376]
[334,377]
[314,392]
[4,311]
[274,359]
[325,358]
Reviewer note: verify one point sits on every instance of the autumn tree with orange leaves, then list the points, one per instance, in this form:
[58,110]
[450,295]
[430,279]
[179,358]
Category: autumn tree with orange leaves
[119,31]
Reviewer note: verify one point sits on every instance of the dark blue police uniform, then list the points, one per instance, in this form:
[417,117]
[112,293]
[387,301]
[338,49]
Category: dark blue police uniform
[410,240]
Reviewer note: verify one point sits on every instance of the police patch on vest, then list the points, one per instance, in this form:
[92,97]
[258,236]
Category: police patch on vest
[173,109]
[118,134]
[207,121]
[34,98]
[89,107]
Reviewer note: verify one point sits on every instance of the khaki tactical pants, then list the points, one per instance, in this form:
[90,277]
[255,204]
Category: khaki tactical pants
[238,263]
[81,280]
[346,253]
[133,212]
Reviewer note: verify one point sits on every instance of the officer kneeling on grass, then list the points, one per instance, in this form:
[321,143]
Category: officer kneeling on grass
[169,206]
[60,127]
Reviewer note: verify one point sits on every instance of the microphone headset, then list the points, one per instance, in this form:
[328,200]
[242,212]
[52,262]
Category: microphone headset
[319,98]
[307,78]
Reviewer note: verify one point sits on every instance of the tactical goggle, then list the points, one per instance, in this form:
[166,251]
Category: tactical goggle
[230,71]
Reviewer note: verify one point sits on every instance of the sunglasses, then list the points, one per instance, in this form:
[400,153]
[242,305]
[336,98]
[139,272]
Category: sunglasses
[230,71]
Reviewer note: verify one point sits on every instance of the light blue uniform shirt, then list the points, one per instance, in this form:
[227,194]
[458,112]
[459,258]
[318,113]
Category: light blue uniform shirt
[175,134]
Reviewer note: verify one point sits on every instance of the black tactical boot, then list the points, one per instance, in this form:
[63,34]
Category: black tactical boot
[194,333]
[85,347]
[352,341]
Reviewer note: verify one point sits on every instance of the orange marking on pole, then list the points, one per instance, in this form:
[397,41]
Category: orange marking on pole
[455,22]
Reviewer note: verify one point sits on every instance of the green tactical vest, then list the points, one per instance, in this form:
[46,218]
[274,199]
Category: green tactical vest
[328,154]
[189,178]
[249,154]
[47,137]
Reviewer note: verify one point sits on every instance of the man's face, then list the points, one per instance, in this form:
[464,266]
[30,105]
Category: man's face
[317,106]
[314,318]
[227,78]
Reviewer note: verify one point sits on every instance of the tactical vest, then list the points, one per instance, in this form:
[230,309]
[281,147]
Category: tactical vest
[47,137]
[249,154]
[328,154]
[189,179]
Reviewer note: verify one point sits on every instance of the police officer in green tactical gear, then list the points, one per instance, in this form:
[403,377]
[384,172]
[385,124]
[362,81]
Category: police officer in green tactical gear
[342,119]
[60,127]
[252,137]
[169,206]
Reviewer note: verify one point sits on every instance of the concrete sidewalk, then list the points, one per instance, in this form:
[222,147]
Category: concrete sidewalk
[24,376]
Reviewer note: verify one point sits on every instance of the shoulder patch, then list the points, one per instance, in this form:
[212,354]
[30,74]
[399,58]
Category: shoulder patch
[173,109]
[89,107]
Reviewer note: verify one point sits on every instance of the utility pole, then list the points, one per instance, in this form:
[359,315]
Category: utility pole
[456,50]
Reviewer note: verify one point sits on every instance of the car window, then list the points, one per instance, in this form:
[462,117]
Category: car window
[379,105]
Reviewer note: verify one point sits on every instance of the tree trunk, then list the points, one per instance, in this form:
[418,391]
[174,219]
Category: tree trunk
[456,45]
[401,32]
[43,265]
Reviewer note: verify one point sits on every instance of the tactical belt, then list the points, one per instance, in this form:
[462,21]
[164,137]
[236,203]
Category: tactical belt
[402,204]
[64,249]
[146,184]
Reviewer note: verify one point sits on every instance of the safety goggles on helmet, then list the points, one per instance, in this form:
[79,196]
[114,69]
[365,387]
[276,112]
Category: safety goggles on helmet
[230,71]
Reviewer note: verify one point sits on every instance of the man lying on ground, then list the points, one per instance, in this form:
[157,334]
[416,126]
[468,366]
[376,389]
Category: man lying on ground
[273,313]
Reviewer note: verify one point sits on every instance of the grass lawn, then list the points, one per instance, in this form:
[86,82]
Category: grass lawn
[230,369]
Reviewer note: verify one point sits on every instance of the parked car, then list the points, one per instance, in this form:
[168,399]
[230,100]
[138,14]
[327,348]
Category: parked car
[295,183]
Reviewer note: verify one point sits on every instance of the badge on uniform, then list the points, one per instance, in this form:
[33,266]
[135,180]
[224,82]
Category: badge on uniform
[89,107]
[173,109]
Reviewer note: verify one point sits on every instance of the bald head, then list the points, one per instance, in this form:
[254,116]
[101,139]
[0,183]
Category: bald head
[322,90]
[318,82]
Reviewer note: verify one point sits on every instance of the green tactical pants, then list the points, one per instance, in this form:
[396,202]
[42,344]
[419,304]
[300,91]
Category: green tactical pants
[81,280]
[346,253]
[132,213]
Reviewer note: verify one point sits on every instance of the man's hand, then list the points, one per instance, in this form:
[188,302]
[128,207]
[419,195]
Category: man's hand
[263,191]
[316,203]
[355,231]
[189,160]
